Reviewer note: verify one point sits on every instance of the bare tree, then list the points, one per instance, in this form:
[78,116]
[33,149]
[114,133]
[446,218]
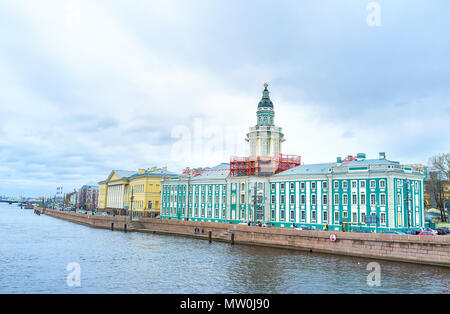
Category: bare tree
[438,178]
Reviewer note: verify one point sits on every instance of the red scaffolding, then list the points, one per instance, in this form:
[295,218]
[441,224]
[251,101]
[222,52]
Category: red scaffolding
[262,166]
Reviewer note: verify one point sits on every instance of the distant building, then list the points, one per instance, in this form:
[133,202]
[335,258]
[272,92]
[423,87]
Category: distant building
[139,191]
[72,198]
[88,197]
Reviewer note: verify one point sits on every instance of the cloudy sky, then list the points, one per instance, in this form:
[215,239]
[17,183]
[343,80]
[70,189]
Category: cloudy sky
[90,86]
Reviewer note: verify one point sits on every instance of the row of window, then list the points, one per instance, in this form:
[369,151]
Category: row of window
[354,184]
[195,188]
[325,216]
[182,199]
[337,184]
[373,200]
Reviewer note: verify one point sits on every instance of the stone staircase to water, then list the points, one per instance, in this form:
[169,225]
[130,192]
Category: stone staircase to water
[137,225]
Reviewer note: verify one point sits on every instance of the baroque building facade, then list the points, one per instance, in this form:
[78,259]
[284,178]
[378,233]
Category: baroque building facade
[352,193]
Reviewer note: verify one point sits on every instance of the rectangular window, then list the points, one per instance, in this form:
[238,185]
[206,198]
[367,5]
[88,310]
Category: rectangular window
[242,198]
[292,186]
[354,184]
[362,184]
[363,199]
[273,214]
[336,217]
[282,186]
[344,214]
[354,199]
[382,184]
[363,217]
[292,198]
[313,215]
[292,215]
[382,199]
[373,184]
[373,199]
[303,199]
[324,185]
[282,199]
[344,199]
[355,217]
[282,214]
[302,185]
[272,186]
[325,216]
[383,218]
[325,199]
[344,184]
[272,199]
[336,199]
[336,184]
[313,185]
[303,215]
[313,199]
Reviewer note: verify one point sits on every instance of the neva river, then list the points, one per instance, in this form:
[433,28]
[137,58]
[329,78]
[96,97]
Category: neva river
[35,251]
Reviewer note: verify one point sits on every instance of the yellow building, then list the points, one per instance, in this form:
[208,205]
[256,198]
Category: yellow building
[138,191]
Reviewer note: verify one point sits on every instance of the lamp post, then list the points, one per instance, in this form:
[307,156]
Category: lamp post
[131,204]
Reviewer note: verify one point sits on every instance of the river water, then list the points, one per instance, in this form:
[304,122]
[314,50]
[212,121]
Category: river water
[36,250]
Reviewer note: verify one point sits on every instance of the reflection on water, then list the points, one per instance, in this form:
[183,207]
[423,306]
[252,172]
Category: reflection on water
[35,250]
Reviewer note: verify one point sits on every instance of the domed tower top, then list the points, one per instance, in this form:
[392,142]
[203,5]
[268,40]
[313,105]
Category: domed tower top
[265,114]
[265,138]
[265,101]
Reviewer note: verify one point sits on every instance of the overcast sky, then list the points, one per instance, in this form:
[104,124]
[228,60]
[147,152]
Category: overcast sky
[91,86]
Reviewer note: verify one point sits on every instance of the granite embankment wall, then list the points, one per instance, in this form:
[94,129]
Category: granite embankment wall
[406,248]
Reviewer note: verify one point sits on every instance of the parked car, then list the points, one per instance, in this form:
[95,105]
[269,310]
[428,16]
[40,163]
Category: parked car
[361,230]
[304,228]
[427,233]
[393,232]
[430,230]
[442,230]
[413,231]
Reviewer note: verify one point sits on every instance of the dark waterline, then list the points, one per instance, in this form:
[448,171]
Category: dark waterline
[35,250]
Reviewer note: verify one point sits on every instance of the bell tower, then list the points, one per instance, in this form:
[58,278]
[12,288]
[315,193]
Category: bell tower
[265,138]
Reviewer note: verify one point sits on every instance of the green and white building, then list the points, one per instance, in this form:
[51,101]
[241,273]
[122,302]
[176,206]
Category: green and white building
[338,194]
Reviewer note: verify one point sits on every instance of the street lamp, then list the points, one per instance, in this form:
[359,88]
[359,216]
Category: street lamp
[131,204]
